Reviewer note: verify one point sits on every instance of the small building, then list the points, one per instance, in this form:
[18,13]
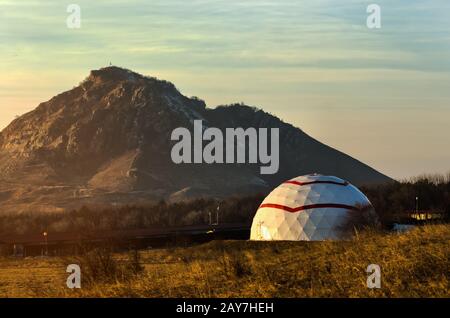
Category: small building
[425,215]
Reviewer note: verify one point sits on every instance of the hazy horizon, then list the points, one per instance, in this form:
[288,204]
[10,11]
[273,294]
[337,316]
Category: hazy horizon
[380,96]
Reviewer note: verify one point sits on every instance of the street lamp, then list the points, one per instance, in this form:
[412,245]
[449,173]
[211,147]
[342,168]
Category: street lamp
[417,204]
[45,234]
[217,215]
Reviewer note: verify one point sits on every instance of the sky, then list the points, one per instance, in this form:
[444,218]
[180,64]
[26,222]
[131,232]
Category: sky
[379,95]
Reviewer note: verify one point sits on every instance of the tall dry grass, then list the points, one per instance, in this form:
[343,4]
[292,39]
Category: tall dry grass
[413,264]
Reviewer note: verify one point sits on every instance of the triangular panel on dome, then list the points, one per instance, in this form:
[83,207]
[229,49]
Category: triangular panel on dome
[310,207]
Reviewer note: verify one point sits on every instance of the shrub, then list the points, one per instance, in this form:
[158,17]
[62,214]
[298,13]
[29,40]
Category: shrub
[98,265]
[236,264]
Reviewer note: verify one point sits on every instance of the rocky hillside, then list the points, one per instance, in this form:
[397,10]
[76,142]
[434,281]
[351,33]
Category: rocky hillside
[107,141]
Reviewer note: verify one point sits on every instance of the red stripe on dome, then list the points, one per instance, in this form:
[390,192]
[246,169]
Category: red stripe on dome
[308,207]
[313,182]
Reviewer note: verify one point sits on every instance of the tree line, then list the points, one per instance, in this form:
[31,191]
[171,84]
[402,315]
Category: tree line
[108,218]
[393,203]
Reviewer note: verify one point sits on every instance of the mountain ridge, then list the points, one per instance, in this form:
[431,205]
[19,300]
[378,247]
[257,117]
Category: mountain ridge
[107,141]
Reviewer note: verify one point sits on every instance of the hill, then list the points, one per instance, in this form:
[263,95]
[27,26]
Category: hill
[107,141]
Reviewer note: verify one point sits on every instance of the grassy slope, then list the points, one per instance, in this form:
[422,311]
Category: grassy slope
[415,264]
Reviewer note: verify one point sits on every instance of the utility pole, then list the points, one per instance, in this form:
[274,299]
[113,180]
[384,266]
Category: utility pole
[217,216]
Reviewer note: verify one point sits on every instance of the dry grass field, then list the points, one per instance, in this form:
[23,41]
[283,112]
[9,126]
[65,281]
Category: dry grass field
[413,264]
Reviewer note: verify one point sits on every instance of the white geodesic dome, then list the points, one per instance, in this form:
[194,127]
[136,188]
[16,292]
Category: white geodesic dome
[310,208]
